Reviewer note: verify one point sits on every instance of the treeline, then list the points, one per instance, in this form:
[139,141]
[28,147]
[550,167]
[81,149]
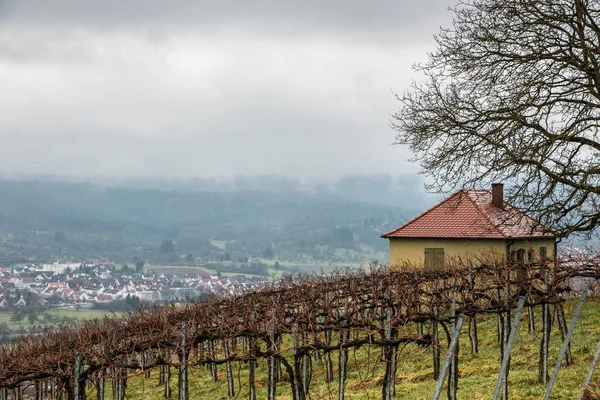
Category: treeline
[129,303]
[50,219]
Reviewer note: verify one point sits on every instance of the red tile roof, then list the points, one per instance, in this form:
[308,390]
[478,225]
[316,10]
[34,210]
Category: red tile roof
[470,214]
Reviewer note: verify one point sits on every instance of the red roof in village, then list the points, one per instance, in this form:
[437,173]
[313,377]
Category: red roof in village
[470,214]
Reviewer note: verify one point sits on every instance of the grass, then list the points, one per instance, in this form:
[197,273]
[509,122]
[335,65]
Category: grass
[478,373]
[82,314]
[193,269]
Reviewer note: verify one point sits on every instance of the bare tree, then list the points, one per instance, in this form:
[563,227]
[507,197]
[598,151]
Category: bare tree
[512,93]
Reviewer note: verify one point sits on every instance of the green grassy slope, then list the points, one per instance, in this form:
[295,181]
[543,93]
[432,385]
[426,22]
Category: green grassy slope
[478,373]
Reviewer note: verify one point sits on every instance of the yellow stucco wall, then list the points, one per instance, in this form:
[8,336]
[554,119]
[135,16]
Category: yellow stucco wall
[411,251]
[535,245]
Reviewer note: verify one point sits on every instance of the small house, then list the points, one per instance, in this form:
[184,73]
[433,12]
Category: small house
[470,225]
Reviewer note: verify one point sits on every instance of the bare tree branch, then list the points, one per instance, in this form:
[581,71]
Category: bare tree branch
[512,94]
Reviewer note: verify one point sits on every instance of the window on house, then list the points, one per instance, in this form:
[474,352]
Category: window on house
[434,258]
[520,261]
[530,256]
[543,253]
[520,256]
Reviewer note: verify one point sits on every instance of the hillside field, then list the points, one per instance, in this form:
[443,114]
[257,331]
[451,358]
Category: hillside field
[478,373]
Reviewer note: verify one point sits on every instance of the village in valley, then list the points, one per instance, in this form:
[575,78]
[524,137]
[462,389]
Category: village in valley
[101,282]
[29,292]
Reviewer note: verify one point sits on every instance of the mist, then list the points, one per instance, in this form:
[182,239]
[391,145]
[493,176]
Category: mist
[192,89]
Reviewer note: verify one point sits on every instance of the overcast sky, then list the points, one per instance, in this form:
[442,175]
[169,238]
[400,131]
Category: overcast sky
[207,88]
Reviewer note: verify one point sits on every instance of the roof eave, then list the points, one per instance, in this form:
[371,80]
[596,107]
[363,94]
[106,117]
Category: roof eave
[470,237]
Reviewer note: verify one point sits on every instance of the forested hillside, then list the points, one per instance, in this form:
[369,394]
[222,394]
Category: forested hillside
[45,220]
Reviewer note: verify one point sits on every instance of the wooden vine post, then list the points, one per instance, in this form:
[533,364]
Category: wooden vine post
[252,363]
[328,363]
[299,394]
[114,382]
[565,345]
[343,357]
[252,369]
[448,360]
[506,335]
[211,365]
[531,319]
[562,325]
[588,378]
[78,387]
[100,386]
[278,369]
[230,383]
[389,390]
[100,380]
[121,384]
[500,323]
[18,392]
[418,311]
[306,370]
[272,374]
[161,375]
[503,376]
[474,339]
[183,385]
[543,376]
[453,373]
[435,343]
[167,376]
[530,315]
[147,358]
[39,394]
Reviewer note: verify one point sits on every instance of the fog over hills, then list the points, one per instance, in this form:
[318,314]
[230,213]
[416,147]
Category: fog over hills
[400,190]
[207,220]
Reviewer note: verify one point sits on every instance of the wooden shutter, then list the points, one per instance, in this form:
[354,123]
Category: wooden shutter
[434,258]
[439,258]
[428,259]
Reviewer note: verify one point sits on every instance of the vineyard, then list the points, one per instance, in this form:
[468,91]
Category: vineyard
[293,325]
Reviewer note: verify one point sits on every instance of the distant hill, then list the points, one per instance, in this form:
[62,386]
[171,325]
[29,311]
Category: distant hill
[44,220]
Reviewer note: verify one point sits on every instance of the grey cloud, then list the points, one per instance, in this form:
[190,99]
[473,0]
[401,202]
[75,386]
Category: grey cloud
[190,88]
[355,17]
